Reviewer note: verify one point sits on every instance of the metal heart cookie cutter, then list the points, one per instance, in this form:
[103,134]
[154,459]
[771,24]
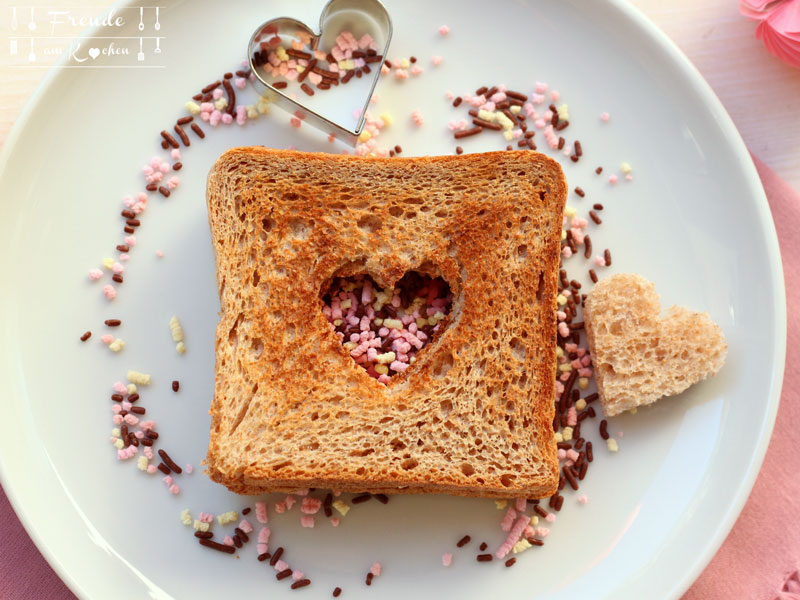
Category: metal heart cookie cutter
[359,17]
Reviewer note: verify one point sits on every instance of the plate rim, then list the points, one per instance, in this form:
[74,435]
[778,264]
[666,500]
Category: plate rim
[695,79]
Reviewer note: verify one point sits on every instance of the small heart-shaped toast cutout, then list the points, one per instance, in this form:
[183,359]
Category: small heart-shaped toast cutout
[639,355]
[384,329]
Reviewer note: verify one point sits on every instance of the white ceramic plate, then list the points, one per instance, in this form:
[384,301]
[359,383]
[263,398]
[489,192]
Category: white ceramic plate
[694,220]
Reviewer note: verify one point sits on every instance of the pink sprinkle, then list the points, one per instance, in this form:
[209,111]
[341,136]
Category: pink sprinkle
[335,521]
[290,501]
[628,177]
[375,569]
[572,418]
[444,30]
[620,434]
[124,257]
[148,451]
[95,274]
[168,480]
[297,575]
[117,268]
[151,469]
[583,499]
[599,261]
[447,559]
[159,254]
[307,521]
[188,468]
[417,117]
[522,503]
[110,292]
[245,526]
[550,518]
[174,489]
[217,94]
[331,138]
[604,117]
[240,82]
[281,565]
[280,507]
[227,118]
[261,512]
[401,73]
[107,339]
[555,95]
[613,179]
[295,122]
[436,60]
[130,240]
[310,505]
[513,536]
[541,87]
[542,531]
[449,95]
[508,519]
[417,70]
[228,541]
[173,182]
[263,535]
[175,154]
[563,329]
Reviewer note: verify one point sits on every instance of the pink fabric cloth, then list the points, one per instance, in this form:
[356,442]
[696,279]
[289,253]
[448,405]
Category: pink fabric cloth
[759,559]
[762,551]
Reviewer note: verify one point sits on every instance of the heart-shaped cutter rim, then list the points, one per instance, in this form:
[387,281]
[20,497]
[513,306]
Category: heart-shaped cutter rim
[374,9]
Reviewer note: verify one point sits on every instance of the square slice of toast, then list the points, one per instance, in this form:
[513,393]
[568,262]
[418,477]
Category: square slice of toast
[473,415]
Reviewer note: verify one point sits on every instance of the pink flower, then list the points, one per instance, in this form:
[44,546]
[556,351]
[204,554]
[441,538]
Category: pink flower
[778,28]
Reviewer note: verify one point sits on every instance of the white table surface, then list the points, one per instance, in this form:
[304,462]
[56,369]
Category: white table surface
[761,93]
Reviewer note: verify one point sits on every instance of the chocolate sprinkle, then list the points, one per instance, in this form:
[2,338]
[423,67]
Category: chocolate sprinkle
[176,385]
[168,460]
[86,336]
[463,541]
[301,583]
[217,546]
[283,574]
[484,557]
[361,498]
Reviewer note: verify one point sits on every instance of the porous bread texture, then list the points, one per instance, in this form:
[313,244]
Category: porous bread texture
[473,415]
[640,356]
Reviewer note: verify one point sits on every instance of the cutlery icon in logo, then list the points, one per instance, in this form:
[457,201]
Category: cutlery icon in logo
[32,53]
[141,18]
[140,56]
[157,25]
[32,24]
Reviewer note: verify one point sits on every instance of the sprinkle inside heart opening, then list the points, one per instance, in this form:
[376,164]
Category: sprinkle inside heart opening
[385,329]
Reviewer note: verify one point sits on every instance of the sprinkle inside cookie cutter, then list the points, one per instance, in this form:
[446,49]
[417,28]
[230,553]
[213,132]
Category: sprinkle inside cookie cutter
[359,17]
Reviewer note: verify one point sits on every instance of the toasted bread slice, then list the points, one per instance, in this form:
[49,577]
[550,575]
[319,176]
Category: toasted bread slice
[640,356]
[473,415]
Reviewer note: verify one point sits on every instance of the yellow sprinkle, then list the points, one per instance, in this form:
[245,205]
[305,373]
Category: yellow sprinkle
[193,108]
[565,368]
[180,348]
[381,369]
[346,65]
[337,322]
[346,304]
[580,404]
[393,323]
[263,106]
[567,434]
[175,329]
[500,504]
[405,63]
[364,136]
[421,322]
[252,113]
[221,103]
[341,507]
[504,121]
[570,211]
[299,69]
[142,462]
[534,520]
[349,346]
[378,322]
[412,360]
[108,263]
[559,352]
[612,444]
[487,115]
[228,517]
[508,135]
[138,378]
[625,168]
[119,444]
[280,51]
[387,119]
[386,358]
[515,109]
[131,388]
[200,525]
[559,438]
[583,382]
[563,234]
[633,411]
[186,518]
[561,300]
[116,345]
[563,112]
[116,432]
[521,546]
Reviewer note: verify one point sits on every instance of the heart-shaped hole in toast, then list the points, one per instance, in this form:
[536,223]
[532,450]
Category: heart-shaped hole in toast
[385,329]
[301,69]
